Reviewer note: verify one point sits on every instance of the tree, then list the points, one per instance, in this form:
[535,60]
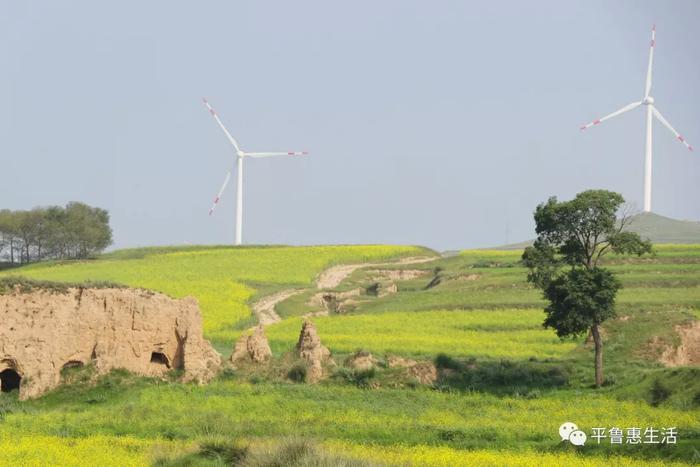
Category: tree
[29,232]
[88,229]
[9,229]
[57,239]
[572,238]
[72,232]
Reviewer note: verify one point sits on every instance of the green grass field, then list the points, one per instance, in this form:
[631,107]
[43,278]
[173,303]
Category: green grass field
[513,383]
[505,333]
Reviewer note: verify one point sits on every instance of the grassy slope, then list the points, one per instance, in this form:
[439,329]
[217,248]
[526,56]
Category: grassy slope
[494,319]
[658,229]
[660,291]
[504,313]
[662,229]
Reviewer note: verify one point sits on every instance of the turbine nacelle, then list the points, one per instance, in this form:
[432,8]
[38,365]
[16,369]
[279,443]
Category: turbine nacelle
[651,112]
[240,154]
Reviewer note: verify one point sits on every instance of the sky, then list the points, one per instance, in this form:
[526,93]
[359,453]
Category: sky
[437,123]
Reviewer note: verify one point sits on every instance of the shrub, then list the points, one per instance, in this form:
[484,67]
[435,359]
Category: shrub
[360,378]
[658,393]
[696,399]
[292,453]
[227,374]
[503,376]
[610,380]
[8,404]
[452,435]
[445,361]
[226,452]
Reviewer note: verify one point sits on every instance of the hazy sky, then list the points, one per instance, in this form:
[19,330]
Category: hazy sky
[441,123]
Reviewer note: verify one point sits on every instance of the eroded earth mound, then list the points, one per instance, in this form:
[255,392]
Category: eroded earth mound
[252,347]
[425,372]
[309,348]
[361,361]
[43,331]
[688,352]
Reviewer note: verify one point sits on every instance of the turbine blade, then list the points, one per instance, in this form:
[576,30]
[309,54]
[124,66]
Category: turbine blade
[626,108]
[218,120]
[221,192]
[668,125]
[273,154]
[647,88]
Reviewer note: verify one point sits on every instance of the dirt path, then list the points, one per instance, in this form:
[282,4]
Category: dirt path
[264,309]
[333,276]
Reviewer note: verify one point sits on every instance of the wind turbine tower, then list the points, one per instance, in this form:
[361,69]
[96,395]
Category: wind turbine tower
[240,155]
[651,111]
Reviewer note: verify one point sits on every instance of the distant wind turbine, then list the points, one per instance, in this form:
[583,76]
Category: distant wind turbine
[651,110]
[239,185]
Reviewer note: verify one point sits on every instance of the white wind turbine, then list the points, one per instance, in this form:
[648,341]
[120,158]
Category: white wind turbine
[648,101]
[240,155]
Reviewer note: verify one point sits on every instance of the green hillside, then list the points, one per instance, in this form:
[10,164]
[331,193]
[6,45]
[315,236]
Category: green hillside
[505,383]
[658,229]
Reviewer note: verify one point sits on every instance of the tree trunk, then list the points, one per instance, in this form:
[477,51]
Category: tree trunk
[595,331]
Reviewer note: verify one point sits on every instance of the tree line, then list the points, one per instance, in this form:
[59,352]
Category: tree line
[72,232]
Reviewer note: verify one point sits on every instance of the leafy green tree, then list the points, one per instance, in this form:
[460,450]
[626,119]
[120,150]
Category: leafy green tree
[88,229]
[57,240]
[71,232]
[29,232]
[572,237]
[9,232]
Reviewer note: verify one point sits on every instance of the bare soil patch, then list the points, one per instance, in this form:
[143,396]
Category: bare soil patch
[333,276]
[688,352]
[397,274]
[264,308]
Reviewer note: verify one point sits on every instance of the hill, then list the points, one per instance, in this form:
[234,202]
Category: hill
[503,383]
[659,229]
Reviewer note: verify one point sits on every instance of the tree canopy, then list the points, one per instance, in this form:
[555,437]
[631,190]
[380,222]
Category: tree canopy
[579,233]
[572,237]
[71,232]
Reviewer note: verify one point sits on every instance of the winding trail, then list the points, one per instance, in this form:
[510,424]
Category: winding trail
[333,276]
[264,309]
